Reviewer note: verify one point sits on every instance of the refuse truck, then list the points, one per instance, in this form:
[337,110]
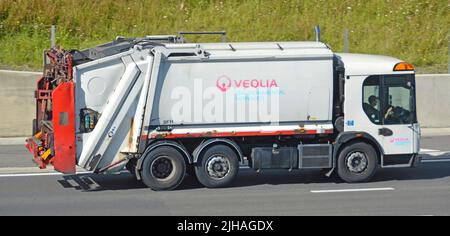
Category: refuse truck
[163,109]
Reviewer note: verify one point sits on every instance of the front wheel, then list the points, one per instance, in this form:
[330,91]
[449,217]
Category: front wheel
[218,166]
[357,162]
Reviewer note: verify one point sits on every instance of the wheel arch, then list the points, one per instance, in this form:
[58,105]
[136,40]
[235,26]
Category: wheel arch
[207,143]
[347,138]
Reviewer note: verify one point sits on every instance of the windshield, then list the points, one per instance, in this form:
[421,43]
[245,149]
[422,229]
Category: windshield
[390,99]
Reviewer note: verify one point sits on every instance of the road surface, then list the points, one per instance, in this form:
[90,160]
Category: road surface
[420,191]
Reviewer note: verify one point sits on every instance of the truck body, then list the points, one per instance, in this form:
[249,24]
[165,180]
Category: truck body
[162,108]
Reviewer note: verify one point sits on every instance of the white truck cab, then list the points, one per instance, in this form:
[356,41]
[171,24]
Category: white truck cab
[380,102]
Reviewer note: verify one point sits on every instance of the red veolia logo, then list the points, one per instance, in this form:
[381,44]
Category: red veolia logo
[224,83]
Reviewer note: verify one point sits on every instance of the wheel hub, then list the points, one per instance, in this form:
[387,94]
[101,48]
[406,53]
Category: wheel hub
[217,166]
[357,162]
[162,168]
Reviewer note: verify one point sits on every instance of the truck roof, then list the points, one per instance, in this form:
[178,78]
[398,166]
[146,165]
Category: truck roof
[264,45]
[235,49]
[255,49]
[365,64]
[355,64]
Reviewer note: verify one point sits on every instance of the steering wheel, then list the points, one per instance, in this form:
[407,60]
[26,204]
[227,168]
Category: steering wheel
[388,112]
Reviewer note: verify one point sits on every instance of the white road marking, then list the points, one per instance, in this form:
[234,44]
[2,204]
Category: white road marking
[352,190]
[40,174]
[21,72]
[436,154]
[13,141]
[435,160]
[428,150]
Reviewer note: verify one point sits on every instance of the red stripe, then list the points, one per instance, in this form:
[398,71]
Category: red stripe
[169,135]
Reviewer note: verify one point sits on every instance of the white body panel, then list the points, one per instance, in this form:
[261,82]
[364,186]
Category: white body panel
[120,80]
[304,89]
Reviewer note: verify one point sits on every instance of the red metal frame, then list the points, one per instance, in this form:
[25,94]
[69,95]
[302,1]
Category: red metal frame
[54,141]
[34,148]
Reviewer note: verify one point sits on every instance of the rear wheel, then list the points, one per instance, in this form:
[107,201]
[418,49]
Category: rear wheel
[357,162]
[218,166]
[163,168]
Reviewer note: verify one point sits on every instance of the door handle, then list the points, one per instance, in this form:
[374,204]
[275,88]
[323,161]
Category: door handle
[385,132]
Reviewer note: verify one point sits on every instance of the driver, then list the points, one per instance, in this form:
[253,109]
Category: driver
[371,109]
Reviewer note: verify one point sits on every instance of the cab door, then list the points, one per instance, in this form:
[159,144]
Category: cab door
[398,114]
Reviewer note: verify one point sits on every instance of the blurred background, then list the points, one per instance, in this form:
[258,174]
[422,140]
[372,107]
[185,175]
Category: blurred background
[413,30]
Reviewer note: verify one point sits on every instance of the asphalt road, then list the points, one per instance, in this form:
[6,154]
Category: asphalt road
[424,190]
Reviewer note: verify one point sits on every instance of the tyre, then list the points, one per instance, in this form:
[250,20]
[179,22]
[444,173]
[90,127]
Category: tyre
[357,162]
[163,169]
[218,166]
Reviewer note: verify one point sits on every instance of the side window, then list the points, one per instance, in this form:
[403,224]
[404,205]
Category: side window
[371,99]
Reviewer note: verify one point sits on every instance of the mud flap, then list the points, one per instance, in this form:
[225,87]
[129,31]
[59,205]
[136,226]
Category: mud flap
[63,122]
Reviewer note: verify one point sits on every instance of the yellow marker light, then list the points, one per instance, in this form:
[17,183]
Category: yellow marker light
[46,154]
[403,66]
